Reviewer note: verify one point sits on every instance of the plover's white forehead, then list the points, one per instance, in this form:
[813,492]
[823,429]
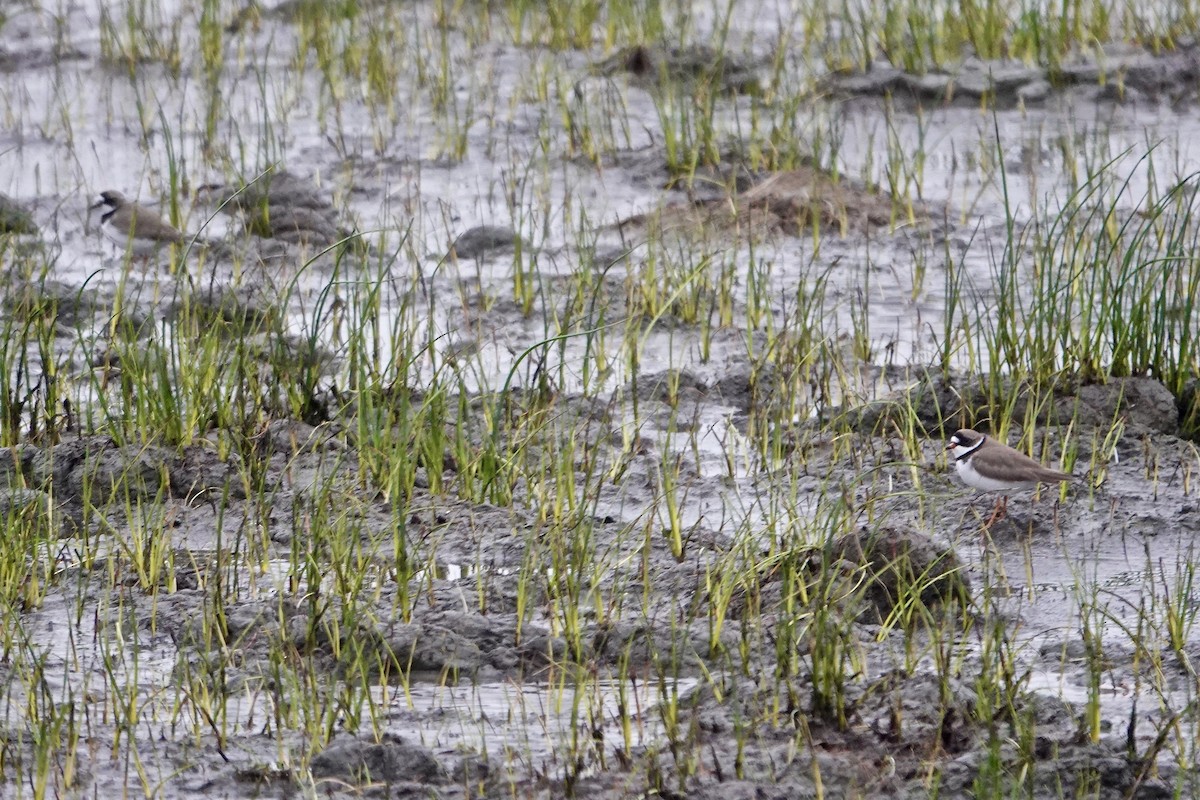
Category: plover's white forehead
[965,438]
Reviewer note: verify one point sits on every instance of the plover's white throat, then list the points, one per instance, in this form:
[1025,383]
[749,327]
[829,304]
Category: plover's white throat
[133,226]
[988,465]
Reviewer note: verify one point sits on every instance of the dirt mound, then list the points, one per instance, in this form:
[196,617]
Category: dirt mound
[789,203]
[653,63]
[941,403]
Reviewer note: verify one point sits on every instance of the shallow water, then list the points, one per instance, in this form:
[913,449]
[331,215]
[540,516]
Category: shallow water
[75,125]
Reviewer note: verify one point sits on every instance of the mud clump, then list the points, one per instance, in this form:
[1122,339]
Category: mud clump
[243,308]
[430,647]
[654,64]
[94,467]
[1146,406]
[943,402]
[14,218]
[283,206]
[787,203]
[91,468]
[895,564]
[866,575]
[899,729]
[797,199]
[392,761]
[484,240]
[671,386]
[69,306]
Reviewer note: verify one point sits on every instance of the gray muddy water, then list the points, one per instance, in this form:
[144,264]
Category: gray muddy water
[492,144]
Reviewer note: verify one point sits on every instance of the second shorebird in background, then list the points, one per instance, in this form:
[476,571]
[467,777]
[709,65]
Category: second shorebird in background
[133,226]
[990,466]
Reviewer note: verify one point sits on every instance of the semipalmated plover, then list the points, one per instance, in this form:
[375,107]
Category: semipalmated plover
[133,226]
[990,466]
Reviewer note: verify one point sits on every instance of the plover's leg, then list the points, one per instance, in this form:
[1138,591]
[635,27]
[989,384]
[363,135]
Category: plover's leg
[999,512]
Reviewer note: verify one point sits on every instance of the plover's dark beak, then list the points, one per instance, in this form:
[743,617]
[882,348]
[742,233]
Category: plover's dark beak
[97,204]
[951,445]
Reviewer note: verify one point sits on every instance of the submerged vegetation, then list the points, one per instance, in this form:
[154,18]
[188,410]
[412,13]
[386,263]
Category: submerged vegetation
[551,400]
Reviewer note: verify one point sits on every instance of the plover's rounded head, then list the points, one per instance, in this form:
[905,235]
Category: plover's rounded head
[964,437]
[111,198]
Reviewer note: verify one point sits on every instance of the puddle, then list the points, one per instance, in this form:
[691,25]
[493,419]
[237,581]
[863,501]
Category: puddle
[531,720]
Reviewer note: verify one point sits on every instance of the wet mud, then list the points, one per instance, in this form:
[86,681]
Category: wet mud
[459,658]
[461,627]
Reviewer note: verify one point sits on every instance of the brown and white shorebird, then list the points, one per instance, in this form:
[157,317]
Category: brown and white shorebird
[133,226]
[991,466]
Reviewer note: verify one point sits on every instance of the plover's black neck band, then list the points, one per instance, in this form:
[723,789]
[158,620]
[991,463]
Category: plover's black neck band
[978,445]
[106,217]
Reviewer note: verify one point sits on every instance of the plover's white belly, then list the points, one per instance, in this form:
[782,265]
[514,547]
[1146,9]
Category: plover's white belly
[119,238]
[971,477]
[137,245]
